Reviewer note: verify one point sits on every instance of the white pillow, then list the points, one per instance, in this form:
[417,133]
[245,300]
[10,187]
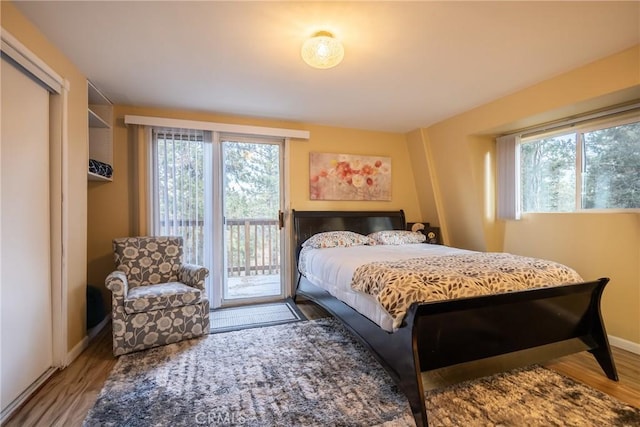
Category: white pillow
[397,237]
[334,239]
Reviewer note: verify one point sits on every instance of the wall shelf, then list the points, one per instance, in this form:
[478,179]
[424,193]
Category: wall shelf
[100,118]
[95,177]
[95,121]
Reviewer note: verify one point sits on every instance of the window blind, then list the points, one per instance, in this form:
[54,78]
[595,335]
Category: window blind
[178,194]
[508,203]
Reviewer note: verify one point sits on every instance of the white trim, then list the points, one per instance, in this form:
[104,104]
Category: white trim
[215,217]
[559,126]
[84,342]
[30,62]
[59,246]
[288,269]
[64,309]
[631,346]
[216,127]
[77,350]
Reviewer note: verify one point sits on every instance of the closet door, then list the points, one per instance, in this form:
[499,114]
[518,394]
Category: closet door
[25,263]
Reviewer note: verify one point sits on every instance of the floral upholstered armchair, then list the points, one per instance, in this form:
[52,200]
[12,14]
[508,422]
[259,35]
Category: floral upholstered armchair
[156,299]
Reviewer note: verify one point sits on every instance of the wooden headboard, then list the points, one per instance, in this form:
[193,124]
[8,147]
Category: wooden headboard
[308,223]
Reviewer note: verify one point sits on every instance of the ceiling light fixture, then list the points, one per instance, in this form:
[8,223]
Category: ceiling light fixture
[322,50]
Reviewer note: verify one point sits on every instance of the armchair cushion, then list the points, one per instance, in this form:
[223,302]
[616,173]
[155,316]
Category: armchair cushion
[160,297]
[148,260]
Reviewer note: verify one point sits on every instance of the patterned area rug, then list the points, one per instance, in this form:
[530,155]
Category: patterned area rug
[313,373]
[236,318]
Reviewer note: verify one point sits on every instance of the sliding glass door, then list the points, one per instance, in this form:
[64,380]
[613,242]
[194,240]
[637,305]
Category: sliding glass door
[223,195]
[252,203]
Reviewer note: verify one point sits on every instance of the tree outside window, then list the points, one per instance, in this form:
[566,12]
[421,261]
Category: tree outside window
[603,163]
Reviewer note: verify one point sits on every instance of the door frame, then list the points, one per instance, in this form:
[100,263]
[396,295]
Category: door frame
[217,286]
[288,135]
[58,88]
[59,146]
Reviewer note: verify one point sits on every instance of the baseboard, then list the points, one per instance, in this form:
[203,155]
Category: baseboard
[93,332]
[76,350]
[82,345]
[631,346]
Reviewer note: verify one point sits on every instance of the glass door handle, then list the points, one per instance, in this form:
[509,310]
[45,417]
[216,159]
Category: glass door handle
[280,220]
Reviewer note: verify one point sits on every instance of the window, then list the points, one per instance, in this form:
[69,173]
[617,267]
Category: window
[548,174]
[179,193]
[223,194]
[583,165]
[596,167]
[611,167]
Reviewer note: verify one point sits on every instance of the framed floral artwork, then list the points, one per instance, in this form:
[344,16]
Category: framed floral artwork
[349,177]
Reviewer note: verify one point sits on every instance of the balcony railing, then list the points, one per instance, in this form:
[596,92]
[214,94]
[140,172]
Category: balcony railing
[253,244]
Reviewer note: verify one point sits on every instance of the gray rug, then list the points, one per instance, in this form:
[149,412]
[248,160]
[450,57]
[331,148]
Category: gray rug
[313,373]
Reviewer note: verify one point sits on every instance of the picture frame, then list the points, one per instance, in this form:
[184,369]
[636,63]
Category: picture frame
[335,176]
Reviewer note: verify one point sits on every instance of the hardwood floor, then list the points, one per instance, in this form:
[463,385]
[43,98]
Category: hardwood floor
[67,397]
[584,368]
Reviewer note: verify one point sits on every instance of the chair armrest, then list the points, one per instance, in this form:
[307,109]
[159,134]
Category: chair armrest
[193,275]
[118,284]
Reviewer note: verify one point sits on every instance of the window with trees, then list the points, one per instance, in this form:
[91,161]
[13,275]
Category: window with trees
[587,167]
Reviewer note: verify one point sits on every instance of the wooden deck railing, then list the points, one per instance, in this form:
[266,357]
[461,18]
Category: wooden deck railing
[253,244]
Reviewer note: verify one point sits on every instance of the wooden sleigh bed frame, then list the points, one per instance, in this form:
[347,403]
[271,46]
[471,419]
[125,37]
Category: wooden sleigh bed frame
[533,326]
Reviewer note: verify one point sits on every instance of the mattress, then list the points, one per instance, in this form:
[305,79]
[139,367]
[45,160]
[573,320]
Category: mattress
[332,269]
[382,281]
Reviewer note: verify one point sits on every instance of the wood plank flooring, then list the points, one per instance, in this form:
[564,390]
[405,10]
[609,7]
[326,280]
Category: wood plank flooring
[67,397]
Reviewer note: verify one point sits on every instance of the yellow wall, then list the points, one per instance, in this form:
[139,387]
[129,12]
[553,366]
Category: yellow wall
[595,244]
[423,178]
[16,24]
[452,162]
[112,205]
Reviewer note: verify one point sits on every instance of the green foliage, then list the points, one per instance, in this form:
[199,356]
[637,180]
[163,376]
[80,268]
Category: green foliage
[251,180]
[548,174]
[610,170]
[180,190]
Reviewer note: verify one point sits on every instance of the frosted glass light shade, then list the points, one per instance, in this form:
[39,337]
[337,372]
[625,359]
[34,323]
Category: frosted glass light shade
[322,50]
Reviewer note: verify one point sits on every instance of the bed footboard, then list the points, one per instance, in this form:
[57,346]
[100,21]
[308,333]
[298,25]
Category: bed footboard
[453,332]
[469,329]
[448,333]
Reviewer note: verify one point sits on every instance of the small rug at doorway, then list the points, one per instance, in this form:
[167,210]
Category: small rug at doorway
[253,316]
[314,373]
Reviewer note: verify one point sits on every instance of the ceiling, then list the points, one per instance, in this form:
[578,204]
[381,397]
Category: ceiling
[407,64]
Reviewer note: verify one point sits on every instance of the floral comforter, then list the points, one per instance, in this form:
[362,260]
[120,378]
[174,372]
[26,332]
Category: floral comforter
[398,284]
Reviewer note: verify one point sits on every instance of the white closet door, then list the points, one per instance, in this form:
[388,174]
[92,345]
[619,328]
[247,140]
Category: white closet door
[26,340]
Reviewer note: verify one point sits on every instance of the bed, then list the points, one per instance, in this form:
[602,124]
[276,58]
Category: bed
[543,323]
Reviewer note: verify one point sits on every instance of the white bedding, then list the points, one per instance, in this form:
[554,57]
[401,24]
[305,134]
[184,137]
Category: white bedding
[332,270]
